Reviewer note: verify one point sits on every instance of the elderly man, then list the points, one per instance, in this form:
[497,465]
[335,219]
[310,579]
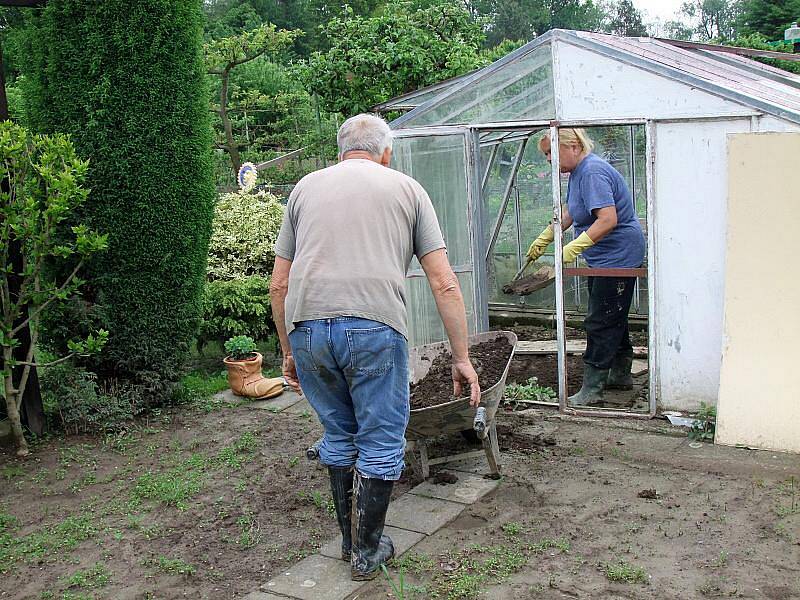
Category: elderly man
[338,300]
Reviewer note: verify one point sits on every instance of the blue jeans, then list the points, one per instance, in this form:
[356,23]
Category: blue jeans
[354,373]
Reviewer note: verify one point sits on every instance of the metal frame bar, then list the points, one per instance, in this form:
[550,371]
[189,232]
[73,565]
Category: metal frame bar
[518,223]
[555,178]
[731,49]
[475,220]
[506,195]
[637,303]
[652,268]
[489,164]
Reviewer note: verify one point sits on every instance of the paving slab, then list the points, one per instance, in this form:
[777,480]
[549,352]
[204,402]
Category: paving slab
[421,514]
[467,490]
[476,464]
[285,400]
[262,596]
[402,538]
[314,578]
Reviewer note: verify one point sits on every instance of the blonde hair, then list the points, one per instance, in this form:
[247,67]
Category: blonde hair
[571,137]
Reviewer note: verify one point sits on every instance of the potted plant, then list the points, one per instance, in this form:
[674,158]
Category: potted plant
[244,370]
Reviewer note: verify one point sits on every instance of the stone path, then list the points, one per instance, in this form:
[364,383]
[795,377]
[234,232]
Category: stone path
[412,517]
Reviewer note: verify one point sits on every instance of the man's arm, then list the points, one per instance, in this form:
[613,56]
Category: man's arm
[450,304]
[278,288]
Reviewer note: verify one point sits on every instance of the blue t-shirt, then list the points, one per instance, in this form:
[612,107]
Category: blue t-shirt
[596,184]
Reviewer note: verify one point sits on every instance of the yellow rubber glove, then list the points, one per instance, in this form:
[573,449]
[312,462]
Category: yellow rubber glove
[576,247]
[540,244]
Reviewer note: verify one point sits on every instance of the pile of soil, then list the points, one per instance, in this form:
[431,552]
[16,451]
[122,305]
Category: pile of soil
[488,358]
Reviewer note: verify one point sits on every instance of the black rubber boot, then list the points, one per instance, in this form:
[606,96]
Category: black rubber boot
[619,376]
[591,391]
[371,548]
[342,492]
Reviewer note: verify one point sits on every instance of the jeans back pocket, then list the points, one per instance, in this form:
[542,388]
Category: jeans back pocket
[372,350]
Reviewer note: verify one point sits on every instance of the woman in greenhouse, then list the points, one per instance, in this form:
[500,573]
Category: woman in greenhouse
[608,235]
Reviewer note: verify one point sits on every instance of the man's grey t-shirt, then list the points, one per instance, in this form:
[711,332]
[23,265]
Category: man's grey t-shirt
[351,231]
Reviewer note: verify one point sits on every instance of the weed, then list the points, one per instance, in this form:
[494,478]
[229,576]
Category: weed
[171,566]
[399,589]
[96,577]
[250,533]
[233,456]
[470,571]
[705,424]
[790,490]
[11,471]
[293,461]
[624,573]
[722,559]
[413,562]
[527,393]
[512,528]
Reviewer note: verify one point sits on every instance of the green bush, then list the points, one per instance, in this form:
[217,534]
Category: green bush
[235,307]
[127,81]
[74,402]
[243,238]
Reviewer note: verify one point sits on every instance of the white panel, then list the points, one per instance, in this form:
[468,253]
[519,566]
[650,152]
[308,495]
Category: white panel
[758,401]
[770,123]
[691,204]
[592,86]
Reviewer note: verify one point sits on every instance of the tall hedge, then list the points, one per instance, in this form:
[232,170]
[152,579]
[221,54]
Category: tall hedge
[125,78]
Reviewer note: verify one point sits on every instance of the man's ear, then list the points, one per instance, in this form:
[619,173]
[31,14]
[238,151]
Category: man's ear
[386,157]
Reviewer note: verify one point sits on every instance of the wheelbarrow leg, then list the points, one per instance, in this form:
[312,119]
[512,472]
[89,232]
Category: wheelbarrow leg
[419,466]
[492,449]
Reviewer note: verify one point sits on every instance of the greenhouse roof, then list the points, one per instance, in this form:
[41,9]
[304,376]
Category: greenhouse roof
[520,87]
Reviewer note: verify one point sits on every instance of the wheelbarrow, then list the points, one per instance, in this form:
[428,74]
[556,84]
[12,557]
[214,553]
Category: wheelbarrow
[456,415]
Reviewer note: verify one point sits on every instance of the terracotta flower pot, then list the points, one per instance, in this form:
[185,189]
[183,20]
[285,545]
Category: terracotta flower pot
[246,379]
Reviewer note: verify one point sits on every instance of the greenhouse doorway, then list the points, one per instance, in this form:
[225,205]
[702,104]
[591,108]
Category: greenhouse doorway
[520,194]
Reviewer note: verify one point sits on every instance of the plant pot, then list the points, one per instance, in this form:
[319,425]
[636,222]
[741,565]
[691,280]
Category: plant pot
[246,379]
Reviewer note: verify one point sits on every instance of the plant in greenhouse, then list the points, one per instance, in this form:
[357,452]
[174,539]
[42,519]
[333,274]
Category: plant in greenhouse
[42,187]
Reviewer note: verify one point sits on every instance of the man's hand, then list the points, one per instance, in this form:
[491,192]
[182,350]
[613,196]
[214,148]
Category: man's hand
[576,247]
[540,244]
[464,374]
[290,373]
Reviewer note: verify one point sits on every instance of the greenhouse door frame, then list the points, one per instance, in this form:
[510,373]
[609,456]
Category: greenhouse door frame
[475,223]
[652,282]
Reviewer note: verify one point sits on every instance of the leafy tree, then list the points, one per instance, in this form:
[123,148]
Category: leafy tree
[131,90]
[225,54]
[623,18]
[770,18]
[713,19]
[406,46]
[44,187]
[525,19]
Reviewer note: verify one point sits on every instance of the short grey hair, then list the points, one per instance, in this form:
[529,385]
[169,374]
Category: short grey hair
[368,133]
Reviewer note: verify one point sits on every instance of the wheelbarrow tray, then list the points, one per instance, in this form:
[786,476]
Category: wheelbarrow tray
[454,415]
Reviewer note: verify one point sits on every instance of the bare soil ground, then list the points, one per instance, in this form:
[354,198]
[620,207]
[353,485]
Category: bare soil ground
[593,508]
[193,504]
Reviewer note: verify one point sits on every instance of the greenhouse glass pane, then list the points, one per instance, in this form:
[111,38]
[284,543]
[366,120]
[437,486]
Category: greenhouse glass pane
[496,184]
[424,324]
[519,90]
[439,164]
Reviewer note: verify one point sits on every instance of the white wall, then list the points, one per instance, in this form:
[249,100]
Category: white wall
[590,86]
[690,206]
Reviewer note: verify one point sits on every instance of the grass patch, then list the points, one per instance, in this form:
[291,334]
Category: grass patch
[48,541]
[622,572]
[413,562]
[173,487]
[547,543]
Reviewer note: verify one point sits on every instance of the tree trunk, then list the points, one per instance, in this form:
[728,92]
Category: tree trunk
[11,407]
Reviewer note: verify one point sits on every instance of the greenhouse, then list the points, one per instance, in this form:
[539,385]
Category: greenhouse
[660,112]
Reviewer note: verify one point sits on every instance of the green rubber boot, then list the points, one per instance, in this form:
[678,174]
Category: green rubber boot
[591,392]
[619,376]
